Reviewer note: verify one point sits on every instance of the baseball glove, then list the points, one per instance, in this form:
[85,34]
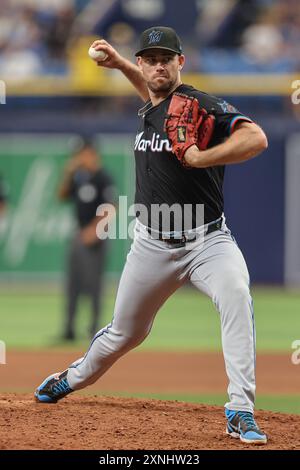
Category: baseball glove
[187,124]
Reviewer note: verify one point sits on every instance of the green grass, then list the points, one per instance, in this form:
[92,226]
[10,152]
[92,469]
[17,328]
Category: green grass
[280,403]
[188,320]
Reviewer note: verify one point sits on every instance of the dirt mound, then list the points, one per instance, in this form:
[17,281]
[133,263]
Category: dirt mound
[121,423]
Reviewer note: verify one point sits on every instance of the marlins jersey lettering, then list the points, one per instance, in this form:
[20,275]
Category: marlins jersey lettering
[161,178]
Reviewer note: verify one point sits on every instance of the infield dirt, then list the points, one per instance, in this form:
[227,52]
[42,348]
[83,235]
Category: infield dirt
[124,423]
[98,422]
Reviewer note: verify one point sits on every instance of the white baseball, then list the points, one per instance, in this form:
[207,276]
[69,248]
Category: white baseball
[97,55]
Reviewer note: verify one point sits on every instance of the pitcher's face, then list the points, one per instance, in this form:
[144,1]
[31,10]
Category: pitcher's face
[160,69]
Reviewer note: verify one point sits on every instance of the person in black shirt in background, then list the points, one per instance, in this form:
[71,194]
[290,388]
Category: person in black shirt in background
[87,185]
[204,252]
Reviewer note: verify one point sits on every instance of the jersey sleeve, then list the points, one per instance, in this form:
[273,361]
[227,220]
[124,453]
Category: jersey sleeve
[227,116]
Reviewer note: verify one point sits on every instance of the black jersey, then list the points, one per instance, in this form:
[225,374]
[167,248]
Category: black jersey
[162,179]
[88,191]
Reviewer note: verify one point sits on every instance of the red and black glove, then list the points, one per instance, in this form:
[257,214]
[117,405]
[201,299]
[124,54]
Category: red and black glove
[187,124]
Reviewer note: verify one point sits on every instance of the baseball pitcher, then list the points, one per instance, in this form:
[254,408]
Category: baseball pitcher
[185,139]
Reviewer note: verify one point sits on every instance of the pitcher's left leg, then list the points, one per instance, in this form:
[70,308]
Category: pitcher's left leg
[220,271]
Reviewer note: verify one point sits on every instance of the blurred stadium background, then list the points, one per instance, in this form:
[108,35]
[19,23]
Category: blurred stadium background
[246,51]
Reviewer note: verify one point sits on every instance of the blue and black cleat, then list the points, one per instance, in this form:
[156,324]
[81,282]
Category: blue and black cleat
[53,388]
[241,425]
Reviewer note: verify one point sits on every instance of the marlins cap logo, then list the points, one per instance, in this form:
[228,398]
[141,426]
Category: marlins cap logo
[155,37]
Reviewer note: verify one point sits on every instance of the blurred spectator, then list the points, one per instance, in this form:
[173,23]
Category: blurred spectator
[34,36]
[221,36]
[57,30]
[262,43]
[288,21]
[123,38]
[20,43]
[17,64]
[87,185]
[266,45]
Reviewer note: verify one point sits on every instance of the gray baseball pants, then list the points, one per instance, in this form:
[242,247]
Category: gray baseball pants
[153,271]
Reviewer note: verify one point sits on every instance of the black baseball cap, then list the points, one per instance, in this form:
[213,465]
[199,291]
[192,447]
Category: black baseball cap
[159,37]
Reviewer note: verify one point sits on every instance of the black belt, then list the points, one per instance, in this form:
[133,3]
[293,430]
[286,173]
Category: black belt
[182,240]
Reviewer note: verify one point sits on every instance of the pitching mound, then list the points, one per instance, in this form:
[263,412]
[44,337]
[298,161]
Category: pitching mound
[121,423]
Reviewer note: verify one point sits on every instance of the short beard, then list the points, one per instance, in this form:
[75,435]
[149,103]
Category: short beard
[163,88]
